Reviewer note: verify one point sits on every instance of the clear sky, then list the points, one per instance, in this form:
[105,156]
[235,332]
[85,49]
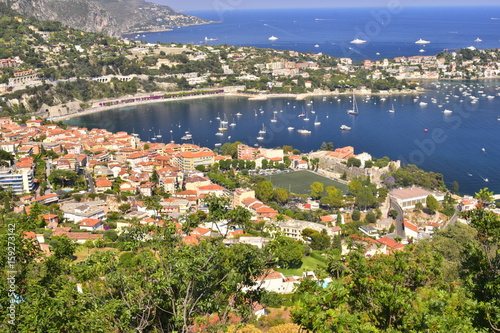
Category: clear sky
[253,4]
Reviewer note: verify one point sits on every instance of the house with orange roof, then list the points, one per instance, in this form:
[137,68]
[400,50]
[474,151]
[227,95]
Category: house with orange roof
[391,244]
[169,185]
[369,245]
[211,189]
[342,153]
[127,187]
[467,203]
[235,233]
[82,237]
[191,240]
[51,220]
[90,224]
[34,123]
[138,157]
[241,194]
[146,189]
[329,219]
[47,199]
[102,185]
[411,230]
[431,227]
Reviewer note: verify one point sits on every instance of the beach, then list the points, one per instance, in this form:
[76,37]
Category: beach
[140,99]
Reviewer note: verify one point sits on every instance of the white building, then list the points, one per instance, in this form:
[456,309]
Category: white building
[407,198]
[18,181]
[275,281]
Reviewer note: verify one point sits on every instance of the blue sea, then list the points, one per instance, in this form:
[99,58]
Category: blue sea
[389,31]
[463,145]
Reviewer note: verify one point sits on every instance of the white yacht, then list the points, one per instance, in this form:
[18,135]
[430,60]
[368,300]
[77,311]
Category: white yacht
[273,38]
[304,131]
[357,41]
[446,111]
[478,40]
[187,136]
[422,41]
[345,128]
[291,128]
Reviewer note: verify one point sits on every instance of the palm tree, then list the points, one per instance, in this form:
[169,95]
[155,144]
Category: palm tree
[485,196]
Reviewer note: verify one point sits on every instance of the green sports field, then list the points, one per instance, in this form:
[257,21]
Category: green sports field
[300,181]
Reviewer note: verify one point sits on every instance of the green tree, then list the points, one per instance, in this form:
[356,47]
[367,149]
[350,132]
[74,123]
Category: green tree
[356,215]
[317,189]
[281,196]
[264,191]
[481,267]
[287,253]
[353,161]
[455,187]
[431,203]
[124,208]
[485,196]
[370,217]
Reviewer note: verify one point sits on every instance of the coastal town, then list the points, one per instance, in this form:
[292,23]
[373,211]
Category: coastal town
[177,68]
[79,177]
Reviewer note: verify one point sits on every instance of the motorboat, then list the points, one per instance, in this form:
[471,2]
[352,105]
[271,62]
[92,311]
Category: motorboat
[273,38]
[478,40]
[345,128]
[446,111]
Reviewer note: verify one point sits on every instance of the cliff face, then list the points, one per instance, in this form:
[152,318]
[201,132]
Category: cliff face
[110,17]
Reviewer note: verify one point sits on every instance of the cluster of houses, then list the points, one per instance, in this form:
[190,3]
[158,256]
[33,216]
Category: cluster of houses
[119,163]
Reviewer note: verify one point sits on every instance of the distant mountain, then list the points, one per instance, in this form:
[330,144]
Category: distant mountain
[110,17]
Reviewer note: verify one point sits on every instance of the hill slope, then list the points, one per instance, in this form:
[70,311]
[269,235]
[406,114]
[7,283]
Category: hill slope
[111,17]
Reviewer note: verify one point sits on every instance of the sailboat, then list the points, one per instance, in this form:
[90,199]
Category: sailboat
[354,109]
[274,120]
[317,122]
[391,110]
[306,118]
[261,133]
[223,124]
[224,121]
[263,130]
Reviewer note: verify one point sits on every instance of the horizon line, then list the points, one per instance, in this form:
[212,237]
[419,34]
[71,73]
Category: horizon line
[346,7]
